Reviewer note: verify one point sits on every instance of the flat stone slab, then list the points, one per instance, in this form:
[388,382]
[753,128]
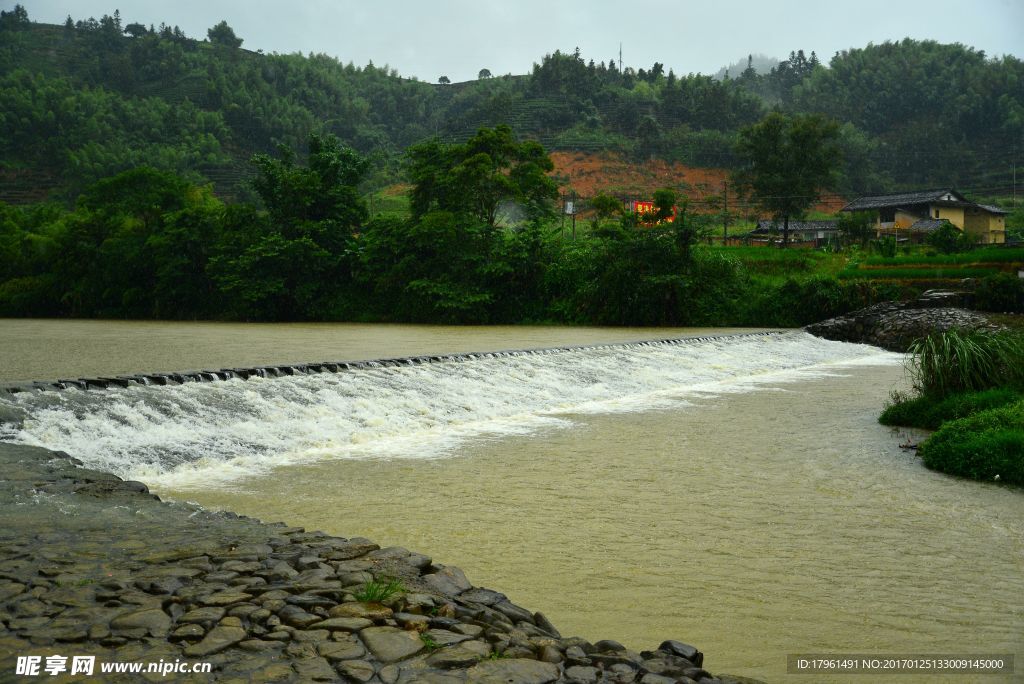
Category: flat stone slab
[513,671]
[344,624]
[389,644]
[219,638]
[156,622]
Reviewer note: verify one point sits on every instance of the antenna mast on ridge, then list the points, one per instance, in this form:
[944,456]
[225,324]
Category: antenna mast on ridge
[620,57]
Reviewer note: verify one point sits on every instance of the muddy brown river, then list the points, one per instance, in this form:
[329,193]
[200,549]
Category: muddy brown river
[737,494]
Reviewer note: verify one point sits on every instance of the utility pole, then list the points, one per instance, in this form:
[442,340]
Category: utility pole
[620,56]
[574,216]
[725,213]
[561,228]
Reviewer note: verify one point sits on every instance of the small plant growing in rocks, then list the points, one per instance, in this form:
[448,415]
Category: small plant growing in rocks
[376,591]
[429,642]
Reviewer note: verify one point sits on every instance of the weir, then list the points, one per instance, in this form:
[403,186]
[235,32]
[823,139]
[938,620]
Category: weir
[281,370]
[230,424]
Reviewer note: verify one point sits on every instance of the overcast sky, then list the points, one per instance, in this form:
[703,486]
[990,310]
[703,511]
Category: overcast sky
[457,38]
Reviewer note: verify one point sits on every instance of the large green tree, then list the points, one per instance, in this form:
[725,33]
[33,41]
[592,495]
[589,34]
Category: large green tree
[477,177]
[787,163]
[222,34]
[288,262]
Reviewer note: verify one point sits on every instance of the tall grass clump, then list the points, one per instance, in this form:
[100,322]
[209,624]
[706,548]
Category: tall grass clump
[953,361]
[376,591]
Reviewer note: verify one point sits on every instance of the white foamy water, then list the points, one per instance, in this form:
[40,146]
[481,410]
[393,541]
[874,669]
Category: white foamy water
[205,434]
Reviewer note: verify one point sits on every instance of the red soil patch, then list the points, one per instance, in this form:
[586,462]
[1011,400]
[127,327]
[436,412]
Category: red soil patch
[588,174]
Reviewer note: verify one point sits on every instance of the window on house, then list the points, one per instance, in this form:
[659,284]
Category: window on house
[936,213]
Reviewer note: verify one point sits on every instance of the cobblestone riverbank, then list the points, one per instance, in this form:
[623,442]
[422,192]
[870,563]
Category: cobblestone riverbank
[96,574]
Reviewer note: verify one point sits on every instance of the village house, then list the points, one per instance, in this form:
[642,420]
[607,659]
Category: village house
[913,215]
[814,233]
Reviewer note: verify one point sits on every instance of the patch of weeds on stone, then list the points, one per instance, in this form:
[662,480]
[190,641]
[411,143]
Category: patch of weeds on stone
[376,591]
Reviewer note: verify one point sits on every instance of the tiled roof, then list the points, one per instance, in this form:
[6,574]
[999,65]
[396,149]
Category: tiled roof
[767,226]
[993,209]
[927,225]
[901,200]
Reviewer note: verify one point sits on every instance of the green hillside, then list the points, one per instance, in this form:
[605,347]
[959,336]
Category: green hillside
[89,99]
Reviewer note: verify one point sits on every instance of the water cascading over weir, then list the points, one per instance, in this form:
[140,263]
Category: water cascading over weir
[167,428]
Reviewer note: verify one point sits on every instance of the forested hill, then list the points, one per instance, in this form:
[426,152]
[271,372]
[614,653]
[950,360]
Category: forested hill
[88,99]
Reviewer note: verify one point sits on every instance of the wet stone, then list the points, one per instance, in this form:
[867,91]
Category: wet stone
[445,637]
[245,610]
[622,673]
[313,635]
[191,632]
[582,674]
[219,638]
[201,615]
[260,646]
[310,601]
[275,672]
[315,669]
[450,581]
[279,636]
[683,651]
[513,671]
[418,623]
[242,567]
[550,654]
[154,622]
[484,597]
[389,644]
[343,647]
[353,566]
[357,670]
[344,624]
[460,655]
[296,617]
[367,611]
[651,678]
[225,598]
[471,631]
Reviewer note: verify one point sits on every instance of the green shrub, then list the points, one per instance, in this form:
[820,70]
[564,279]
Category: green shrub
[947,238]
[929,413]
[983,446]
[1000,292]
[953,361]
[886,247]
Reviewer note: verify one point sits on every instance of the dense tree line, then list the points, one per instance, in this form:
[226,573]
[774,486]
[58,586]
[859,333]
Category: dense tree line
[480,246]
[96,97]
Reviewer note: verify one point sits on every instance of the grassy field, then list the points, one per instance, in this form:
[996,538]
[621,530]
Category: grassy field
[924,264]
[948,273]
[776,264]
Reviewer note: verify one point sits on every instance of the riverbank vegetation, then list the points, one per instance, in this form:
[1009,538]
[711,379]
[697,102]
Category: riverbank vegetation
[480,244]
[970,389]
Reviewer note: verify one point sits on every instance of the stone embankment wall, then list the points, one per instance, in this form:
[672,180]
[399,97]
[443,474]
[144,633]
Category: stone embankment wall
[894,325]
[94,565]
